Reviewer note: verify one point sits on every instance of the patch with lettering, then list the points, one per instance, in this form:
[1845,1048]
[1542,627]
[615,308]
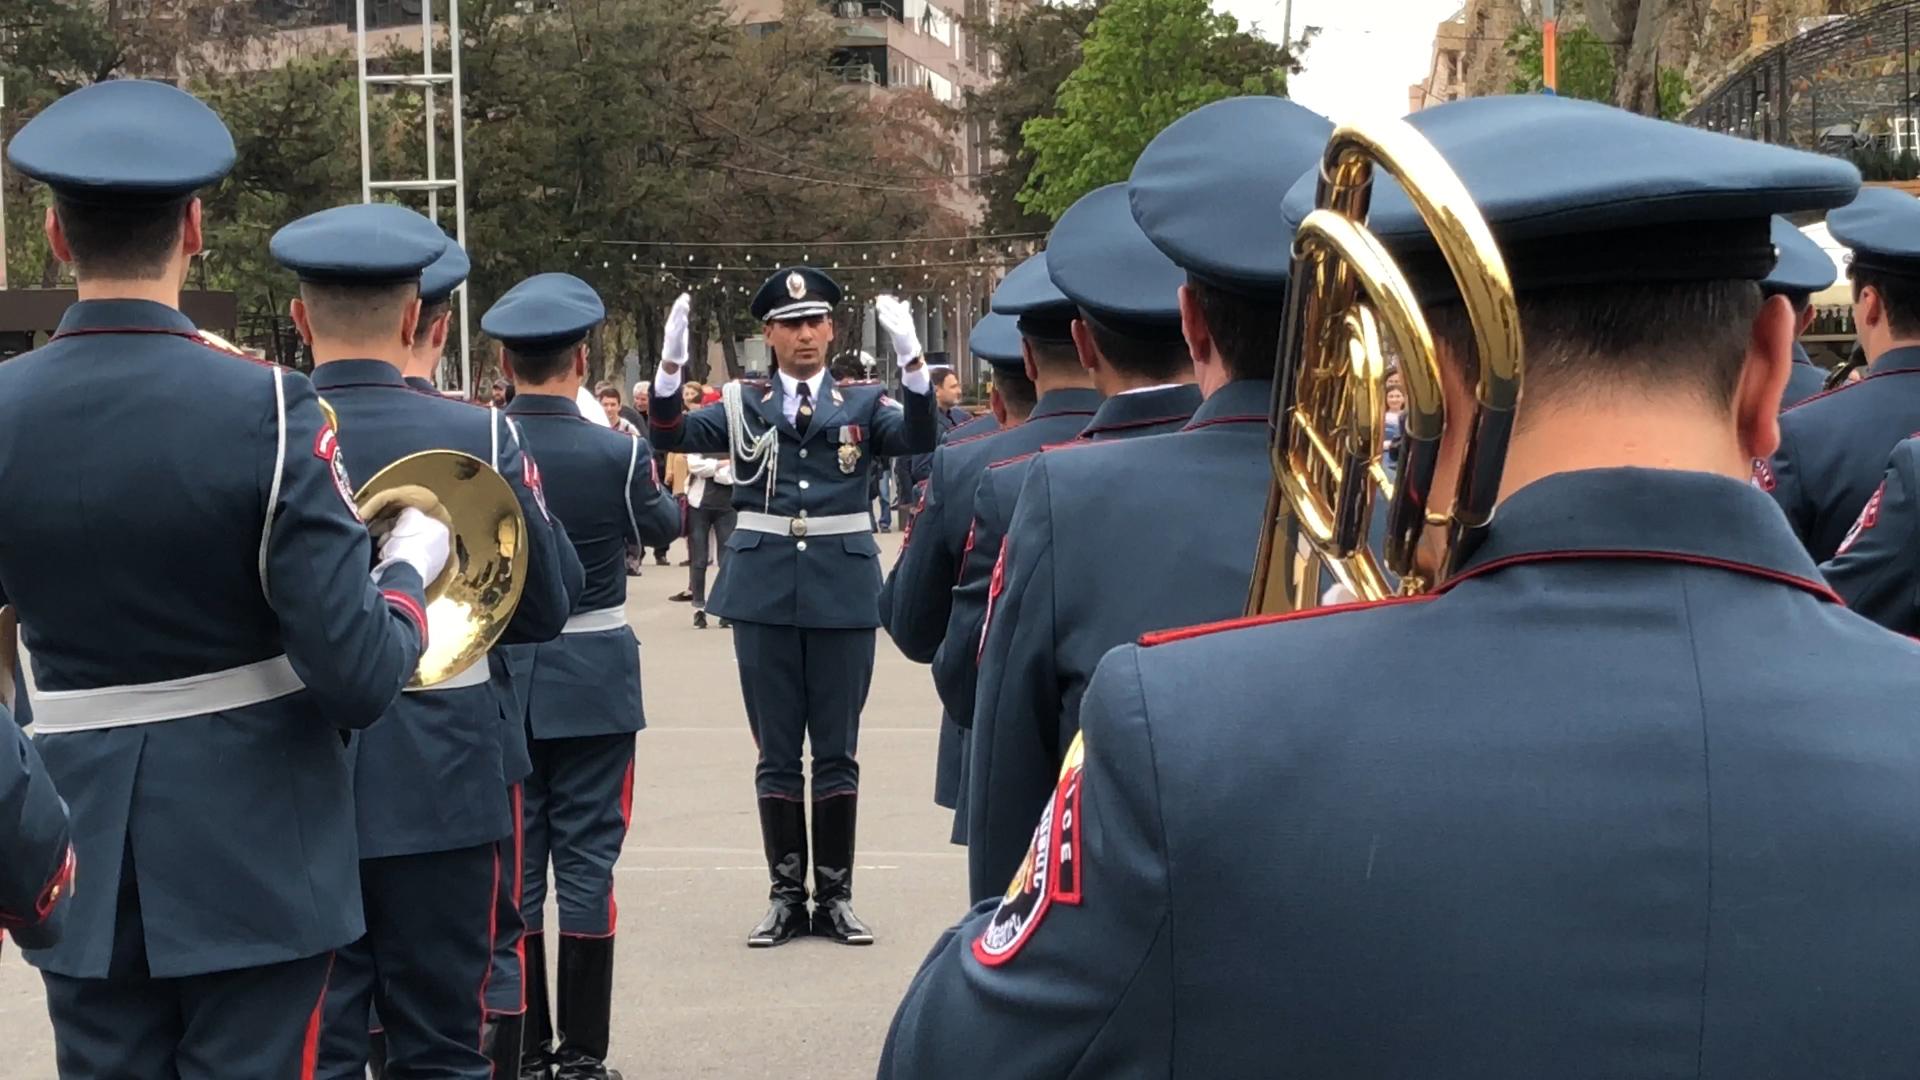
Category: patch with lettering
[326,447]
[1763,477]
[533,482]
[1869,516]
[1051,873]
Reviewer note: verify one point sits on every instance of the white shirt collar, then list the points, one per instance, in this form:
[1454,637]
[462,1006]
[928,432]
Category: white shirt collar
[790,386]
[1146,389]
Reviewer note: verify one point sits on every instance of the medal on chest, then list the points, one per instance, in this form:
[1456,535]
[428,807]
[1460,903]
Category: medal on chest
[849,448]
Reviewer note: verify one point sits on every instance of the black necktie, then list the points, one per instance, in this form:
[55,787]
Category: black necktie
[803,413]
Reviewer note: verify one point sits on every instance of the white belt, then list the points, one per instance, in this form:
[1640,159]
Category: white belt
[476,674]
[56,711]
[824,525]
[594,622]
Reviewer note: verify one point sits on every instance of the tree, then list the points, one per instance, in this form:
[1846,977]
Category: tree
[1632,30]
[1037,48]
[1586,70]
[1145,63]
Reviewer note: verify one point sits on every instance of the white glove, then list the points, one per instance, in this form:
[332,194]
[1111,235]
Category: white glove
[419,541]
[673,348]
[896,318]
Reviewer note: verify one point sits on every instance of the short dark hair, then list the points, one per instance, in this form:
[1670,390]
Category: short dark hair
[1140,357]
[121,242]
[1245,329]
[540,366]
[607,390]
[428,313]
[1898,293]
[940,373]
[1054,356]
[1017,392]
[357,312]
[1587,337]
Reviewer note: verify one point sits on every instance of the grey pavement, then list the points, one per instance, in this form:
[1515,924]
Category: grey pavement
[691,1000]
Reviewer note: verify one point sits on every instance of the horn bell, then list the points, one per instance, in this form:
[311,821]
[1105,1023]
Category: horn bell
[1349,308]
[473,599]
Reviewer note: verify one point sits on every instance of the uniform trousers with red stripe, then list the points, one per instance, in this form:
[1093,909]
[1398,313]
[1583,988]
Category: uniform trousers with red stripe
[250,1022]
[507,986]
[423,966]
[576,806]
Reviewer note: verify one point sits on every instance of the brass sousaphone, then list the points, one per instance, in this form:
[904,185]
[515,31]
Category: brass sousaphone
[473,599]
[1347,303]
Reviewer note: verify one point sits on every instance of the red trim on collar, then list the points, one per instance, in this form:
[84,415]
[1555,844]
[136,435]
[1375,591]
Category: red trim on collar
[1211,421]
[182,334]
[1126,425]
[1848,386]
[1164,637]
[1778,577]
[974,438]
[1167,637]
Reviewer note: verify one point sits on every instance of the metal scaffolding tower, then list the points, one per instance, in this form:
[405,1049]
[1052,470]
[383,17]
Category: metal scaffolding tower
[433,184]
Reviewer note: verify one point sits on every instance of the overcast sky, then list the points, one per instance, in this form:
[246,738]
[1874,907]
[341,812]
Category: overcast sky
[1366,54]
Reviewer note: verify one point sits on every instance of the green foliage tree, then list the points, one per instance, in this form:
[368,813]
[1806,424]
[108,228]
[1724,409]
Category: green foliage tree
[1038,47]
[1586,69]
[1145,63]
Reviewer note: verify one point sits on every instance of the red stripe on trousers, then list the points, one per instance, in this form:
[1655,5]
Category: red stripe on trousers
[519,886]
[493,938]
[310,1047]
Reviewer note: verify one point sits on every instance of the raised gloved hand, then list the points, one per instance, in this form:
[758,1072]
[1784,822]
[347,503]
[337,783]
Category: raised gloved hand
[673,350]
[416,538]
[896,318]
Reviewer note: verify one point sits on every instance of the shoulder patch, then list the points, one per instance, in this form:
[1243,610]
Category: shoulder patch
[326,447]
[532,470]
[1051,873]
[996,585]
[1869,517]
[1763,477]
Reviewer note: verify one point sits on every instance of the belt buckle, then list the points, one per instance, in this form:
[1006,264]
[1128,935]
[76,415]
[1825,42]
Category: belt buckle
[797,527]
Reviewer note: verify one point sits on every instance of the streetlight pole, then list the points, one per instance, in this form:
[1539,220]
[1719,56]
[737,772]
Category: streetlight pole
[3,186]
[1549,48]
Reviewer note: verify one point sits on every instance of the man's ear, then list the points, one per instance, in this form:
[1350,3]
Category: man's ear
[297,310]
[410,323]
[192,242]
[1083,345]
[437,333]
[580,360]
[1026,357]
[506,365]
[1763,378]
[57,238]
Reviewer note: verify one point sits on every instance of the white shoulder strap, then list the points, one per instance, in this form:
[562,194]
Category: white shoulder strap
[279,470]
[633,461]
[493,432]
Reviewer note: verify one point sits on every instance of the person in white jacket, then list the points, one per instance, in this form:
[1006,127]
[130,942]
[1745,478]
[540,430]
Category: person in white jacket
[710,517]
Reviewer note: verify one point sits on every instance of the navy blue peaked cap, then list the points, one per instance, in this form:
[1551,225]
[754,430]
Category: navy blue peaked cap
[544,313]
[1028,294]
[1882,226]
[1100,259]
[445,274]
[127,142]
[1800,265]
[363,243]
[1579,193]
[1207,189]
[796,292]
[996,339]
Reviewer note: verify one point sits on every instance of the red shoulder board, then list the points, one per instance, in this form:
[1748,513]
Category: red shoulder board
[1014,460]
[1167,637]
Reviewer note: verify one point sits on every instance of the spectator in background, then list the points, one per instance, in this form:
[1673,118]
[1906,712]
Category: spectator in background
[710,520]
[502,393]
[609,396]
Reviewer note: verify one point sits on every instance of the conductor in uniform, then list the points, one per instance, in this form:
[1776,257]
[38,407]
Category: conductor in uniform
[1834,448]
[190,677]
[430,788]
[1069,594]
[583,688]
[1632,854]
[801,580]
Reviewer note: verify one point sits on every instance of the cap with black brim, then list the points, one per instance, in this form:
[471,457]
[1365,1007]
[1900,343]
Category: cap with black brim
[360,244]
[544,313]
[1041,310]
[1099,259]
